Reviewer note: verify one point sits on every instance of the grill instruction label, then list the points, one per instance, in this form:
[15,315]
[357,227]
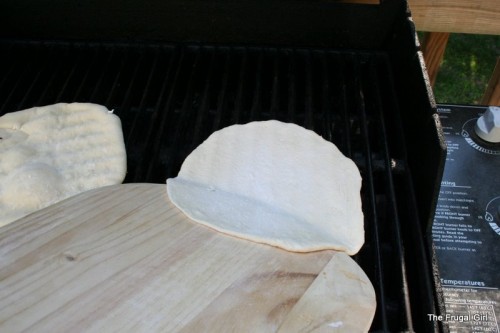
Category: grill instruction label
[465,226]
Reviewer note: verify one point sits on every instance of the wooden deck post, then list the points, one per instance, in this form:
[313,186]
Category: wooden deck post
[433,48]
[492,93]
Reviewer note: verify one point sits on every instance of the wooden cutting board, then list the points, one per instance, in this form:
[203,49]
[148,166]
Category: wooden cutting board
[123,258]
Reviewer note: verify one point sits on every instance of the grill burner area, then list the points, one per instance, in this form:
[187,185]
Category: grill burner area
[172,97]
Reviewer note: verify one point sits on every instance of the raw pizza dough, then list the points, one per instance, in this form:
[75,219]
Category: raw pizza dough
[274,183]
[50,153]
[350,296]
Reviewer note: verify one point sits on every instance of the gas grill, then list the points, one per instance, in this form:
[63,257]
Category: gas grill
[174,72]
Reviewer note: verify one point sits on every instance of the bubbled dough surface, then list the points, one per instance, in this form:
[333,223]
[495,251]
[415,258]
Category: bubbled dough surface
[50,153]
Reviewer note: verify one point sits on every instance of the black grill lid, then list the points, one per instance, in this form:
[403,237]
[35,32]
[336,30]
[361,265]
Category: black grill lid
[316,23]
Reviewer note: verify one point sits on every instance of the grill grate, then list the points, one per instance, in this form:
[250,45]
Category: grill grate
[172,97]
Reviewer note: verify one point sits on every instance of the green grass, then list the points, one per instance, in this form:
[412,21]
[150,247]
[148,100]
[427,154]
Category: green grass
[466,68]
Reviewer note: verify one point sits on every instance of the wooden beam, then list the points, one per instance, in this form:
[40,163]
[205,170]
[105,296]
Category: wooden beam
[433,48]
[492,93]
[460,16]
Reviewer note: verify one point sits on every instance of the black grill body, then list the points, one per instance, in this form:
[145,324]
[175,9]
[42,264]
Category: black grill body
[176,71]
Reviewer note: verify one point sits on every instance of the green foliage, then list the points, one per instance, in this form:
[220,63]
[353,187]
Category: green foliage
[466,68]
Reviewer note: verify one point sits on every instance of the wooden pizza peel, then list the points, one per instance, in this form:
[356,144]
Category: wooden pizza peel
[123,258]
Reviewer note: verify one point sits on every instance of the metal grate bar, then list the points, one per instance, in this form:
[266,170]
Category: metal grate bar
[185,113]
[238,105]
[205,101]
[342,100]
[8,74]
[51,82]
[69,76]
[256,109]
[292,87]
[389,188]
[421,285]
[25,71]
[98,87]
[83,79]
[275,93]
[308,100]
[119,74]
[35,80]
[164,117]
[326,105]
[368,178]
[6,52]
[127,99]
[222,97]
[136,130]
[149,79]
[151,127]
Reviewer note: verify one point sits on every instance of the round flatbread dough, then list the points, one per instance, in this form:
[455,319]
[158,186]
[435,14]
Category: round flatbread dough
[341,300]
[274,183]
[50,153]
